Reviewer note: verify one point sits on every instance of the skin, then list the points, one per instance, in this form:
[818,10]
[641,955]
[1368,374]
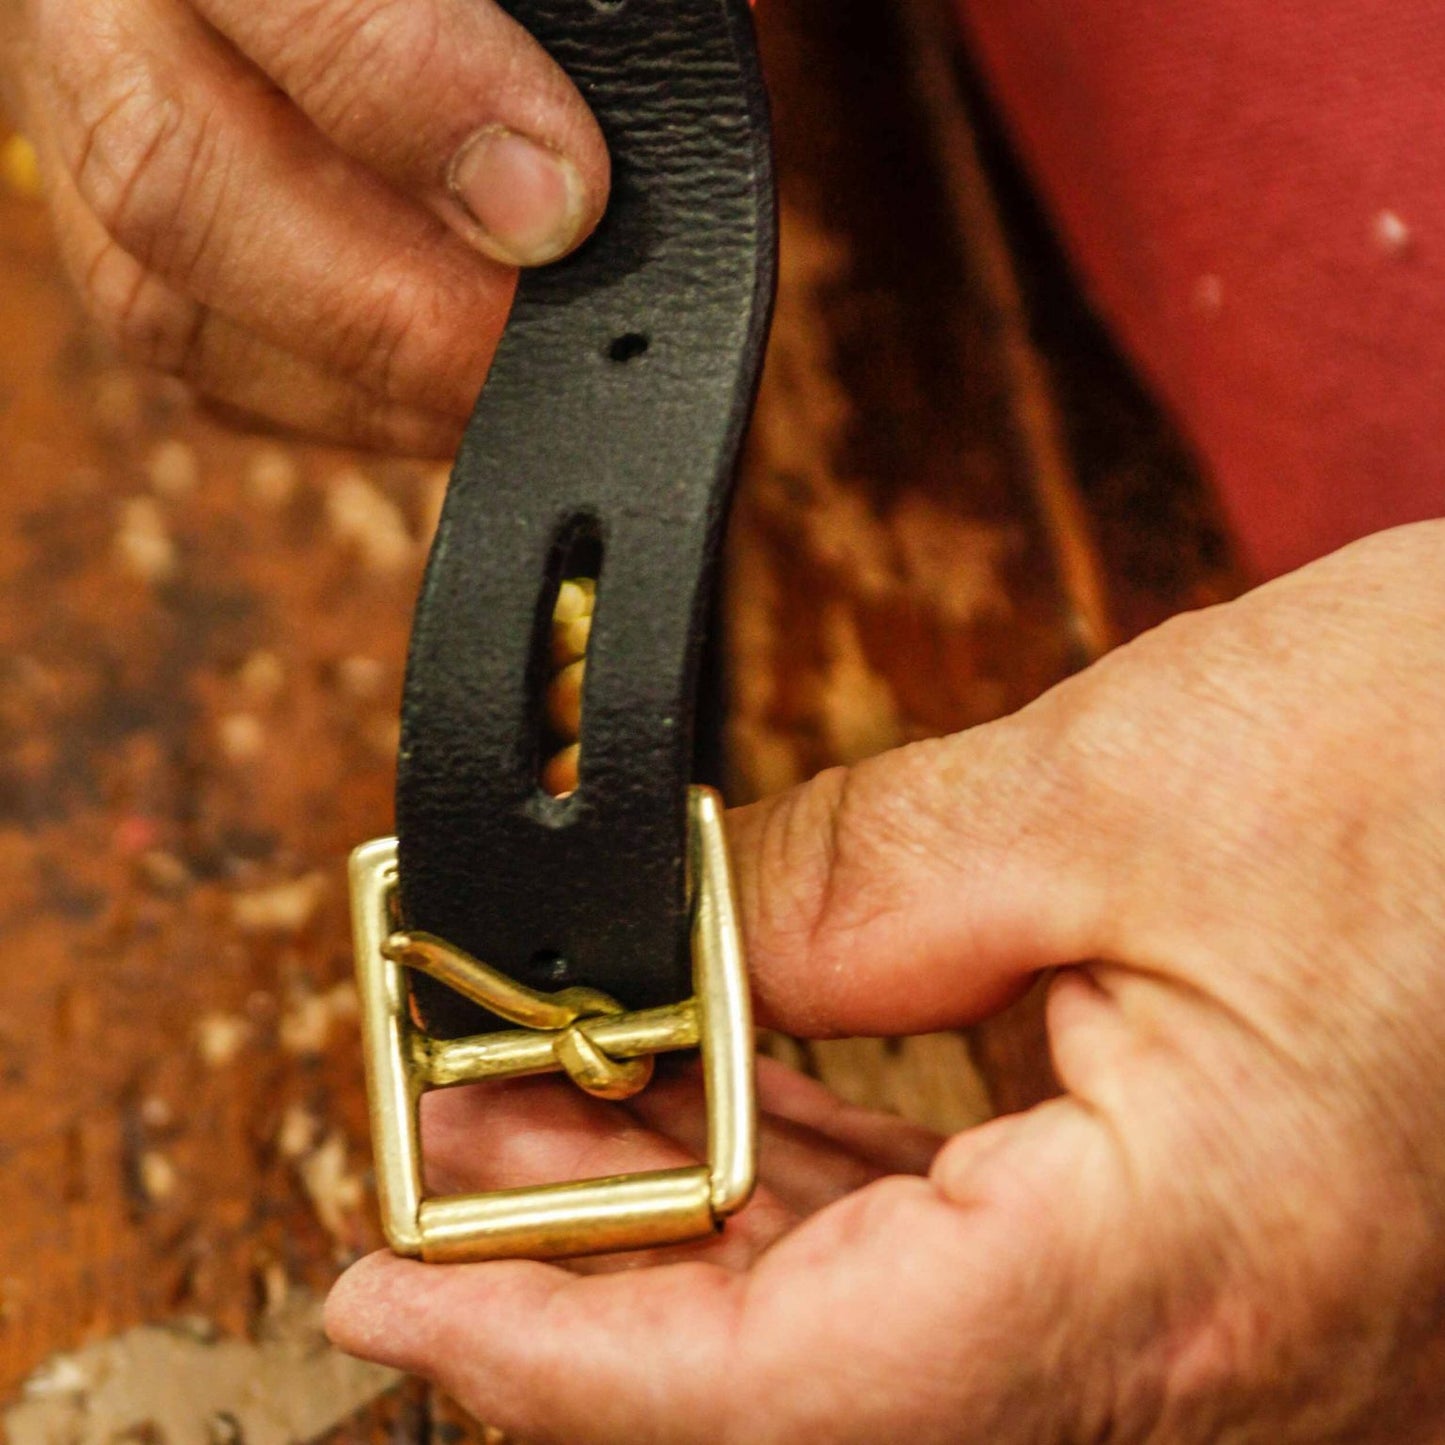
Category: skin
[312,212]
[1227,844]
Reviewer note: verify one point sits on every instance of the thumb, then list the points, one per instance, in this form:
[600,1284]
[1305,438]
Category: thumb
[923,888]
[455,104]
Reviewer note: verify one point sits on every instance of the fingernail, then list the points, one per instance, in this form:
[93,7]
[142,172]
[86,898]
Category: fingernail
[525,199]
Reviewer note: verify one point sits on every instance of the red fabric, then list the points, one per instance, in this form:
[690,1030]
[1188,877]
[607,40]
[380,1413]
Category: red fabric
[1254,191]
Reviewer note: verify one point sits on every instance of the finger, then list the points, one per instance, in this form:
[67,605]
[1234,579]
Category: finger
[544,1131]
[898,1313]
[557,1388]
[198,170]
[450,100]
[893,1144]
[534,1131]
[156,325]
[923,888]
[256,380]
[814,1147]
[541,1130]
[319,408]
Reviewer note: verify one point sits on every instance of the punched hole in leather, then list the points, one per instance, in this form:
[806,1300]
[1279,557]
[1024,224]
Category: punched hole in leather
[572,611]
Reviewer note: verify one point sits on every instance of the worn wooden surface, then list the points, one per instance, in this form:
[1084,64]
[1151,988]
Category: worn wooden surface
[201,641]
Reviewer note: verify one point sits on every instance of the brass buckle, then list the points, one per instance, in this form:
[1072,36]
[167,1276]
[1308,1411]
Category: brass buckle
[578,1031]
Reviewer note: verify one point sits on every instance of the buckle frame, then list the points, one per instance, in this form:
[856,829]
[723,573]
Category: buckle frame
[589,1216]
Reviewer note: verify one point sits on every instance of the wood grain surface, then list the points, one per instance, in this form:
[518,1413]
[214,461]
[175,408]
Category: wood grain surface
[201,641]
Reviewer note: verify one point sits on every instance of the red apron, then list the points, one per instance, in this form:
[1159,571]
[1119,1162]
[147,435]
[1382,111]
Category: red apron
[1254,193]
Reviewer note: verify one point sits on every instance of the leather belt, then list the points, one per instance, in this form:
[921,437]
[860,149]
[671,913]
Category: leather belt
[604,445]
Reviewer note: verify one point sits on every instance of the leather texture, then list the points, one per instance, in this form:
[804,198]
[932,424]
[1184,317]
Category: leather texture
[612,417]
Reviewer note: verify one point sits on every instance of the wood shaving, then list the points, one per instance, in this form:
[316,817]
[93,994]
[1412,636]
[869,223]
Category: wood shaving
[275,1286]
[335,1193]
[271,478]
[262,675]
[363,517]
[173,469]
[297,1132]
[859,711]
[187,1386]
[62,1375]
[143,543]
[305,1027]
[220,1037]
[241,736]
[156,1113]
[164,872]
[157,1176]
[280,908]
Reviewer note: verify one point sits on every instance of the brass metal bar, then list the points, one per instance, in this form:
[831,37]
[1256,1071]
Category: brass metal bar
[725,1005]
[592,1216]
[445,1062]
[391,1086]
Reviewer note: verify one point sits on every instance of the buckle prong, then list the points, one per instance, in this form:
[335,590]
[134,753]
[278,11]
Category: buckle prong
[559,1015]
[603,1048]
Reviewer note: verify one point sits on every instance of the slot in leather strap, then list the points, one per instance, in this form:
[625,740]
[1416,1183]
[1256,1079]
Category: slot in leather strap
[613,415]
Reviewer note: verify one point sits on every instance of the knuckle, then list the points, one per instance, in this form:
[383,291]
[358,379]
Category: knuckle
[410,337]
[138,162]
[142,317]
[373,340]
[873,846]
[347,60]
[842,853]
[1113,740]
[793,872]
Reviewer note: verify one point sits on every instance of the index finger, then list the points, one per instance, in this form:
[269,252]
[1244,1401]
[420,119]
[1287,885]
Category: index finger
[450,100]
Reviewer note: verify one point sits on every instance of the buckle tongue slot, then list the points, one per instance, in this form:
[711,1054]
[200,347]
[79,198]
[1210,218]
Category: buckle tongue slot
[576,571]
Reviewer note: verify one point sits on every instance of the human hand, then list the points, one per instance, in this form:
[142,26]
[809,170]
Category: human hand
[1232,1224]
[311,210]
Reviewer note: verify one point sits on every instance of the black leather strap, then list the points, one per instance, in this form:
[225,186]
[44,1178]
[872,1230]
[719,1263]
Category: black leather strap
[613,414]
